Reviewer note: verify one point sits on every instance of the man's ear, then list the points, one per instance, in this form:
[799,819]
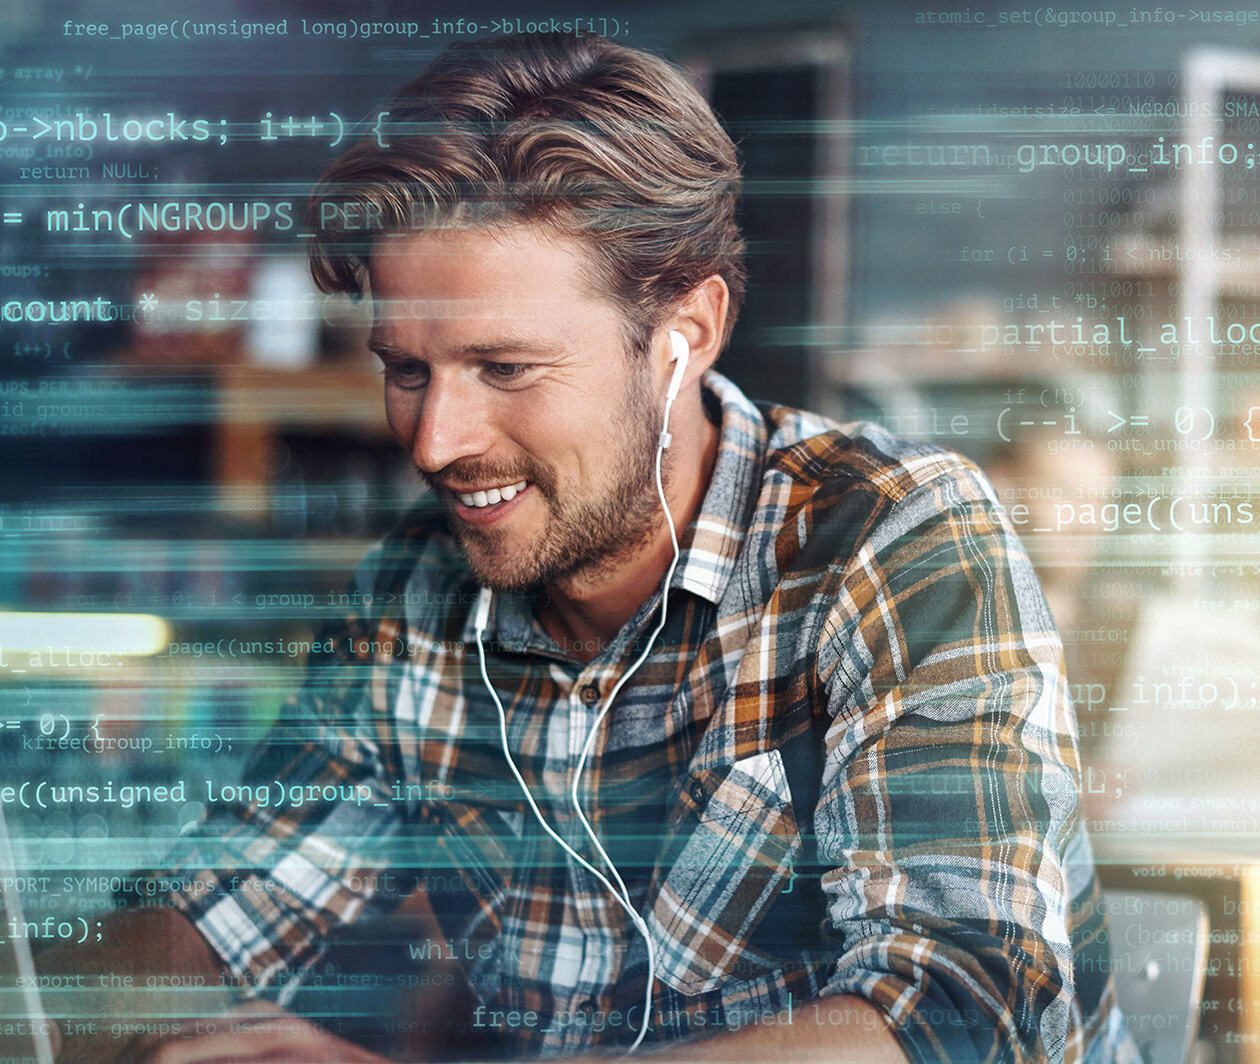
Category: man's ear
[701,318]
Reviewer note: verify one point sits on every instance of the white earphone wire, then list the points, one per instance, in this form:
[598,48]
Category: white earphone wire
[620,893]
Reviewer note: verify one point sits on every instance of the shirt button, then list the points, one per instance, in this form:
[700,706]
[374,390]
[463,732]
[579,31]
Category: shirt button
[587,1007]
[590,694]
[697,792]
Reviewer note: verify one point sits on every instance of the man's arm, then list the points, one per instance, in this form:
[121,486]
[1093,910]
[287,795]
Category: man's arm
[835,1030]
[143,1003]
[950,782]
[260,887]
[316,848]
[138,949]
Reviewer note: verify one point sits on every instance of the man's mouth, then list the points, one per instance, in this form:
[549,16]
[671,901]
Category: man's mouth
[488,506]
[479,500]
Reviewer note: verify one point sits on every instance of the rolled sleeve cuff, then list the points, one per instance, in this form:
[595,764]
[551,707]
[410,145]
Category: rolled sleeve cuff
[935,1009]
[251,961]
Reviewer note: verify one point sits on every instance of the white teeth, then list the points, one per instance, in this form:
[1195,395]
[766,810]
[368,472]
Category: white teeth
[492,496]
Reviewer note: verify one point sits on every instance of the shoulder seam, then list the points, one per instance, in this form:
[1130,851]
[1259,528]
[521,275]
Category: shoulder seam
[838,454]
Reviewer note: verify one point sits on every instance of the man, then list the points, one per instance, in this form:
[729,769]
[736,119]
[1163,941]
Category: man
[826,812]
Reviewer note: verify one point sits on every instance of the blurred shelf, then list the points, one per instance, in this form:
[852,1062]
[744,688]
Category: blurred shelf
[251,407]
[257,405]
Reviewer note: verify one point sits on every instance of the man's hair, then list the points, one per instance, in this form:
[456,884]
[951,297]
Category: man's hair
[606,144]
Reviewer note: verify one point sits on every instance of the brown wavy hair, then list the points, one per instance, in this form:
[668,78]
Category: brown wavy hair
[607,144]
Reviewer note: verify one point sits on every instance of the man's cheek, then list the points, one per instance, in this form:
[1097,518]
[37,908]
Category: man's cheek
[401,418]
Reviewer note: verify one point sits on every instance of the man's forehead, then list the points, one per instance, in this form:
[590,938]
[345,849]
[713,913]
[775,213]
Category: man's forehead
[473,327]
[482,291]
[510,261]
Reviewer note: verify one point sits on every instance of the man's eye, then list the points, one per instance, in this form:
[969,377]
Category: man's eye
[409,374]
[506,371]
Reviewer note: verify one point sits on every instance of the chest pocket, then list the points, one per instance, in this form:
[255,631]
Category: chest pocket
[733,857]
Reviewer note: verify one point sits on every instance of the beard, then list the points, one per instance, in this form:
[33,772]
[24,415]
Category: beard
[581,537]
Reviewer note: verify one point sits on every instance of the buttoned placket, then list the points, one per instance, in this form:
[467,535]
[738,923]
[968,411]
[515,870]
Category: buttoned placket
[605,935]
[582,692]
[587,696]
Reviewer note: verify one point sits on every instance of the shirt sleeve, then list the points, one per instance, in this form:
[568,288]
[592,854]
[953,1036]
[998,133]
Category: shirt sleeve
[266,881]
[950,783]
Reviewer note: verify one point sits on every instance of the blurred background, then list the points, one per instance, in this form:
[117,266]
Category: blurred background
[1029,234]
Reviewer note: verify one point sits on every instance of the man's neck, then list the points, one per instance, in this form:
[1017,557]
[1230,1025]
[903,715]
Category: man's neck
[585,612]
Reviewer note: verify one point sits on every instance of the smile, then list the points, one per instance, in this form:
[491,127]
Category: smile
[491,496]
[490,506]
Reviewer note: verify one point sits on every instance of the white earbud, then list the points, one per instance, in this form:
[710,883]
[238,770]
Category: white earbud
[680,353]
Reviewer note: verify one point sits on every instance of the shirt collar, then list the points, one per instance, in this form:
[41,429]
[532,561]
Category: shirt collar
[706,563]
[716,535]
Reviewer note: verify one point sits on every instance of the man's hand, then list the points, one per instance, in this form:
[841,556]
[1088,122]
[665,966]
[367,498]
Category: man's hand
[256,1031]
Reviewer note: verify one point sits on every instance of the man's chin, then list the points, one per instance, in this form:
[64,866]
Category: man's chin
[504,583]
[498,569]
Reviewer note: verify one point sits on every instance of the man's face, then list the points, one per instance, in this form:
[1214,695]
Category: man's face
[502,369]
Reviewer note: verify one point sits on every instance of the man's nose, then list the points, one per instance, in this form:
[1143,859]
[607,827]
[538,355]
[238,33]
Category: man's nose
[453,424]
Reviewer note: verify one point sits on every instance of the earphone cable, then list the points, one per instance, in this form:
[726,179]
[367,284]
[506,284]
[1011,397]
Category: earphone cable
[620,893]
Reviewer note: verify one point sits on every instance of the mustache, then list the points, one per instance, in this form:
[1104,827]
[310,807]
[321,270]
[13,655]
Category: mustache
[476,471]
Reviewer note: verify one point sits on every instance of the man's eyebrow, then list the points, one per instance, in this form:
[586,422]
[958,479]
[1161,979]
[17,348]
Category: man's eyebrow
[385,349]
[506,346]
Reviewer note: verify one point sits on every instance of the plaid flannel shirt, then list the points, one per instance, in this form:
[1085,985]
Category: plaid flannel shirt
[848,766]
